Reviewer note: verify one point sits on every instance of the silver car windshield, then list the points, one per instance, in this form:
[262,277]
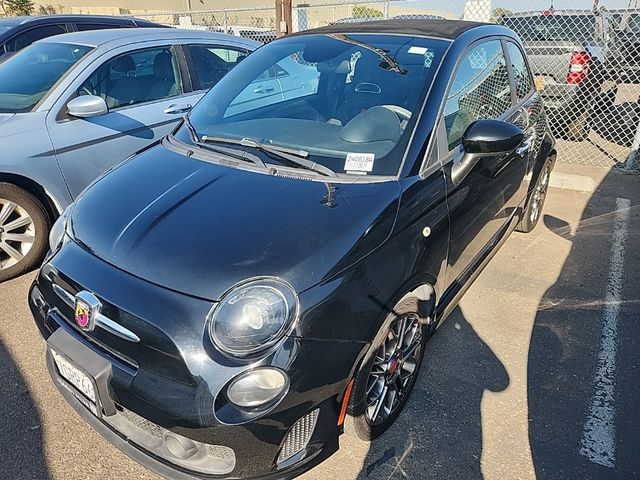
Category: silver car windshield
[26,77]
[345,102]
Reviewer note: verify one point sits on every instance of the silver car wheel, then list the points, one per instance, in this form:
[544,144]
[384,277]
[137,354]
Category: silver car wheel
[540,194]
[393,369]
[17,233]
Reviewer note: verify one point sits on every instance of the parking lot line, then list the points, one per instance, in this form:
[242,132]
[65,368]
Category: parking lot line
[599,434]
[568,181]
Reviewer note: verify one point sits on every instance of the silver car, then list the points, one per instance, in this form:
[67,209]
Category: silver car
[74,105]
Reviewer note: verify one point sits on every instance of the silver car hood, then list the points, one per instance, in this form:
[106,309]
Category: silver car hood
[6,116]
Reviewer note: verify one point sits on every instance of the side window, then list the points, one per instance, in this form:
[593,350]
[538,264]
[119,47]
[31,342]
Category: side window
[520,69]
[83,27]
[136,77]
[213,63]
[27,38]
[480,89]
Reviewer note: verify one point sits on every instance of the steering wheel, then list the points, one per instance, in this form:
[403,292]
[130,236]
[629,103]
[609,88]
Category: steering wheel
[402,112]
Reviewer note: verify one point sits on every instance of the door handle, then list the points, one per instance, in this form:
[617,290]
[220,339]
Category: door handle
[177,108]
[263,89]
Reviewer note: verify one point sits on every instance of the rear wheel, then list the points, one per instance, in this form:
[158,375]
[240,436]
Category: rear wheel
[536,201]
[384,383]
[24,230]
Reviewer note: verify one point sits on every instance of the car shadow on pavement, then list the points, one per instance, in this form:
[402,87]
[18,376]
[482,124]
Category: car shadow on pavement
[21,445]
[439,434]
[566,340]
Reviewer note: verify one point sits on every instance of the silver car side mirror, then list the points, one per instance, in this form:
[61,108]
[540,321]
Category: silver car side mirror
[86,106]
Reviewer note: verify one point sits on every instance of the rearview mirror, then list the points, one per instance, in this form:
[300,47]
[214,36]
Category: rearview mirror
[86,106]
[485,138]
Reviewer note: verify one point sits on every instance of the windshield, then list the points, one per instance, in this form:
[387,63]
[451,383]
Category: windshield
[26,77]
[565,28]
[346,102]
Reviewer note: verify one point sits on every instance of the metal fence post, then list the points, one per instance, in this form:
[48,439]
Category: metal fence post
[284,17]
[225,22]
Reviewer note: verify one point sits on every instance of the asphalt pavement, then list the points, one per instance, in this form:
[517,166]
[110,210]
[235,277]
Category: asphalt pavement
[535,375]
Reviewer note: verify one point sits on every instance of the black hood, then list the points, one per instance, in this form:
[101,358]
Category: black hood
[199,228]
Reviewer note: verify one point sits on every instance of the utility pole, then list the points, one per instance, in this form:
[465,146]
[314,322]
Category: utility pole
[284,17]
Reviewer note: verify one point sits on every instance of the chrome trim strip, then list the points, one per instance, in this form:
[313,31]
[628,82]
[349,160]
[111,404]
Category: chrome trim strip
[116,329]
[64,295]
[101,321]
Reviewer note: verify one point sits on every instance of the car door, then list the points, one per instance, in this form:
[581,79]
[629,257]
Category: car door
[483,204]
[139,86]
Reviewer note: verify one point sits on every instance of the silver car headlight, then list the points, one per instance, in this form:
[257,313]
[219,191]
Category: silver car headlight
[253,316]
[59,229]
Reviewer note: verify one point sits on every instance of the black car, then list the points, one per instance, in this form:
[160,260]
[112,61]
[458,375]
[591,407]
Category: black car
[569,51]
[19,32]
[228,301]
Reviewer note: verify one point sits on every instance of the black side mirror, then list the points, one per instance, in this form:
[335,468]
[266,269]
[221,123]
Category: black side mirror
[491,137]
[485,138]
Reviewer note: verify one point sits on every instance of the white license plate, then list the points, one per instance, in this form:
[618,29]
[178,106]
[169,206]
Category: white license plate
[75,376]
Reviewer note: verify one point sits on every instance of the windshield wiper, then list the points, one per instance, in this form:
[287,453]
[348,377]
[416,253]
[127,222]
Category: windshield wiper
[295,157]
[222,150]
[393,65]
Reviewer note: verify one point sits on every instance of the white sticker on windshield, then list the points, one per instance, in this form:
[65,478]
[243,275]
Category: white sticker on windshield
[418,50]
[359,162]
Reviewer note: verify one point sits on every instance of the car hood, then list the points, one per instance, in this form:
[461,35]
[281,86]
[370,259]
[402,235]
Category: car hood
[6,116]
[199,228]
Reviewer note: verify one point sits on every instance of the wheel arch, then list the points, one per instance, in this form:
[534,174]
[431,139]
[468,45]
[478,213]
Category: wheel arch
[37,190]
[425,295]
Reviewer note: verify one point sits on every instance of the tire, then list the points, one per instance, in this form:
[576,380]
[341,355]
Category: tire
[578,130]
[536,199]
[25,218]
[359,423]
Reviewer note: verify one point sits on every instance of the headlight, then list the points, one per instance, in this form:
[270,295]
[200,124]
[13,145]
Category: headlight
[257,387]
[253,316]
[57,232]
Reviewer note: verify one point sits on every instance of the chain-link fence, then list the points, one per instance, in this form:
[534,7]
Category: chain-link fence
[585,55]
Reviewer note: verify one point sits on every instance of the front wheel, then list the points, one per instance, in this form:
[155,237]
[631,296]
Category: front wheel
[24,231]
[384,383]
[534,206]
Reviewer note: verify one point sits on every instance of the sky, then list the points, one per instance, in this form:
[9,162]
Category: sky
[457,6]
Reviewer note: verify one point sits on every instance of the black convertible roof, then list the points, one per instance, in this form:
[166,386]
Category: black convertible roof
[449,29]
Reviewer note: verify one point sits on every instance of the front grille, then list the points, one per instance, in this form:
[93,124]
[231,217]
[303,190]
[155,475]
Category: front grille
[299,436]
[220,451]
[142,423]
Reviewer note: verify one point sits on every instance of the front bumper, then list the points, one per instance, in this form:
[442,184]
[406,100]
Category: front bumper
[135,388]
[161,467]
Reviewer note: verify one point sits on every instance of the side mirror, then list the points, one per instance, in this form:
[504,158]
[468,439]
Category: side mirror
[491,137]
[86,106]
[485,138]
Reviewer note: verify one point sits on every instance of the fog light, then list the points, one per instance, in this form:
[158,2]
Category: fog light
[257,387]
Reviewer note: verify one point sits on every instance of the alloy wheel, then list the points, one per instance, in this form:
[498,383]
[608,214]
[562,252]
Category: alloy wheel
[17,233]
[394,368]
[539,194]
